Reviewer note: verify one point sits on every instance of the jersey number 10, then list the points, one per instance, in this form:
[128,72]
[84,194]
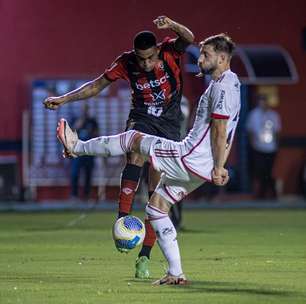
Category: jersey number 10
[155,111]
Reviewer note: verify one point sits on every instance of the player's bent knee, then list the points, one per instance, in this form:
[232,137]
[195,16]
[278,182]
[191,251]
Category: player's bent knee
[154,213]
[161,224]
[137,138]
[154,178]
[135,158]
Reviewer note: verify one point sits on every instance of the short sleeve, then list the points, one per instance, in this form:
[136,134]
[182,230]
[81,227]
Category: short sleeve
[220,102]
[117,70]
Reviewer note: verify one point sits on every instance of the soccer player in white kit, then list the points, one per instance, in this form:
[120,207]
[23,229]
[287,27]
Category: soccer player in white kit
[184,165]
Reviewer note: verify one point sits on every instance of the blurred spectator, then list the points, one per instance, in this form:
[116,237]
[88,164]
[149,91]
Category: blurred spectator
[87,127]
[263,127]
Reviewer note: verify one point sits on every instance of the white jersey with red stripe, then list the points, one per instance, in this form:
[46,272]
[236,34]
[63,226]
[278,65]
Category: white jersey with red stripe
[221,100]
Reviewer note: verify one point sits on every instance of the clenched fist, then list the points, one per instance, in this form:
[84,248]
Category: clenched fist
[52,103]
[163,22]
[220,176]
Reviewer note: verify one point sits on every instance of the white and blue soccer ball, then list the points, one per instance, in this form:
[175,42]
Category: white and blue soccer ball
[128,232]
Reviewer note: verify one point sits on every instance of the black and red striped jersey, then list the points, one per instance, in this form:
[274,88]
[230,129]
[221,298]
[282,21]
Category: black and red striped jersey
[156,95]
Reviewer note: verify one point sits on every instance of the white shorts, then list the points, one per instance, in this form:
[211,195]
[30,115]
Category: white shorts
[165,156]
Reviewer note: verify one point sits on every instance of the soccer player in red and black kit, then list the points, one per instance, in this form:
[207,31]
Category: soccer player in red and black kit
[154,74]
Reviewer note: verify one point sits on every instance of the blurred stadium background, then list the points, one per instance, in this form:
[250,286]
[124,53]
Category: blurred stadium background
[230,256]
[50,47]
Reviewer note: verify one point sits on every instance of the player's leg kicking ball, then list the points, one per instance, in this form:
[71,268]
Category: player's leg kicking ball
[67,137]
[158,207]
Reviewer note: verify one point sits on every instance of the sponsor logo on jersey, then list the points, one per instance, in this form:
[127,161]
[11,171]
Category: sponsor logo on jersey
[152,83]
[158,96]
[221,100]
[153,103]
[202,108]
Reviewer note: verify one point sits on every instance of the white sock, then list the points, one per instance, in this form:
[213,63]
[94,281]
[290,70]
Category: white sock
[106,145]
[166,237]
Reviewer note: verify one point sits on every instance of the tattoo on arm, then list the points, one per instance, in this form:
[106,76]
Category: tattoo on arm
[89,89]
[183,32]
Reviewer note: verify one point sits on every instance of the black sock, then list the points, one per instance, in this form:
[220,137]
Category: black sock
[145,251]
[122,214]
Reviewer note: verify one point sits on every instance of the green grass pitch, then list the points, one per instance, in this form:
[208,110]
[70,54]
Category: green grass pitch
[230,256]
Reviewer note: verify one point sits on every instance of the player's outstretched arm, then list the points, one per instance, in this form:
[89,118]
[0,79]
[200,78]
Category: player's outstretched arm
[87,90]
[184,33]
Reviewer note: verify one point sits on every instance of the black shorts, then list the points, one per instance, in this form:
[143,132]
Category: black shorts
[152,129]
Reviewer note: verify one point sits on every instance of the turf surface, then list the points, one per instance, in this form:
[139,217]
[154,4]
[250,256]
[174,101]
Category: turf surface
[236,256]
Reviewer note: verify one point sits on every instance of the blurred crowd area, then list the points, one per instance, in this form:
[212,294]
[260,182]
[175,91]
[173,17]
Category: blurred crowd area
[65,44]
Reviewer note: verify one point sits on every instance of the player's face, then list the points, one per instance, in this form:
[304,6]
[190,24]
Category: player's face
[147,59]
[208,60]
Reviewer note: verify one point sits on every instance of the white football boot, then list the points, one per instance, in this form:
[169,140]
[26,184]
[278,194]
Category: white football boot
[67,137]
[170,279]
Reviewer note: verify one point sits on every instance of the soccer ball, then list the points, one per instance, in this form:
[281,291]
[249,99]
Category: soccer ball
[128,232]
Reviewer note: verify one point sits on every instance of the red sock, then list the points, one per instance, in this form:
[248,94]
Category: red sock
[150,236]
[126,196]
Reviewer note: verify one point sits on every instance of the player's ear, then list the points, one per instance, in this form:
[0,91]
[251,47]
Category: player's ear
[222,58]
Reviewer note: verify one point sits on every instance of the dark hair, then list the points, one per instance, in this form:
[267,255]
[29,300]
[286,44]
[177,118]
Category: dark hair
[221,43]
[144,40]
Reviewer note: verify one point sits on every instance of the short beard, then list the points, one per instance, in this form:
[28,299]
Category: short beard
[208,71]
[205,72]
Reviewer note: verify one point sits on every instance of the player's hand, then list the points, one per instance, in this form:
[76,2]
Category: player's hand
[67,154]
[163,22]
[220,176]
[52,103]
